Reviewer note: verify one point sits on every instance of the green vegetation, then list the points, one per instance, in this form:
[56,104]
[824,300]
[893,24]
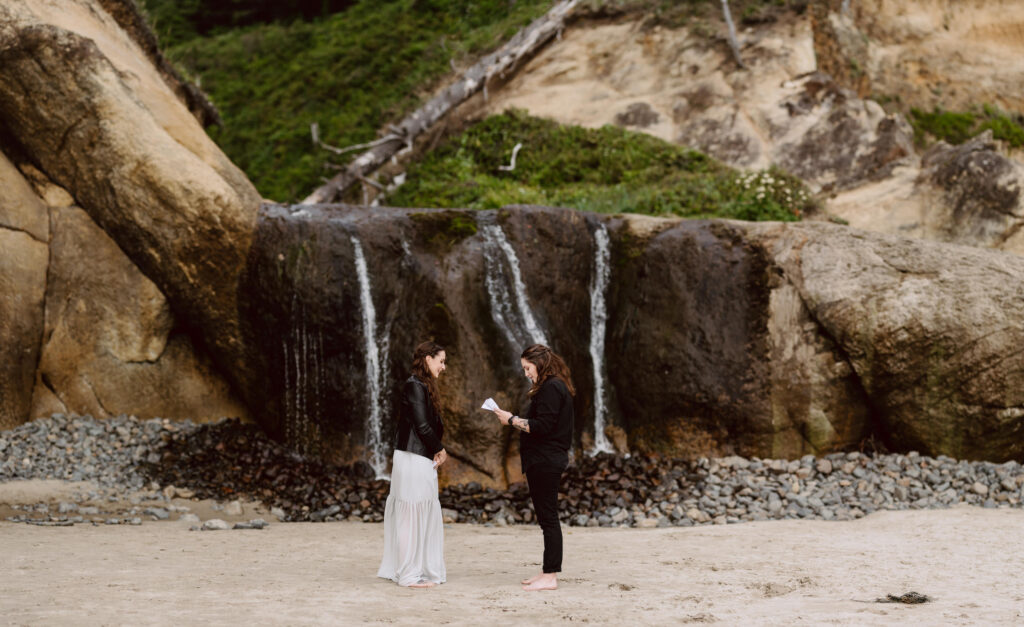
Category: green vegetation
[351,72]
[352,66]
[957,127]
[609,170]
[177,21]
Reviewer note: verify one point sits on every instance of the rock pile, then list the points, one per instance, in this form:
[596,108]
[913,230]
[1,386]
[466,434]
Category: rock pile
[231,460]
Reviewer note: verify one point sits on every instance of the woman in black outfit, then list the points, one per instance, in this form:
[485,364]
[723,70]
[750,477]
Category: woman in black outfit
[544,449]
[413,529]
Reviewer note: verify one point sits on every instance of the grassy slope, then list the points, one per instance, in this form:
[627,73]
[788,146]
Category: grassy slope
[354,71]
[608,169]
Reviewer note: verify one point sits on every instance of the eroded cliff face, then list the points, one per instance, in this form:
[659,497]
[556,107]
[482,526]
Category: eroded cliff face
[807,102]
[954,54]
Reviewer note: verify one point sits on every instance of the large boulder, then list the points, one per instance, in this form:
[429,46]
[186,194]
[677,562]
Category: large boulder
[932,331]
[111,345]
[114,135]
[24,236]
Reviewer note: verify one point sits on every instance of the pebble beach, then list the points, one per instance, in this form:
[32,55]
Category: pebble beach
[132,466]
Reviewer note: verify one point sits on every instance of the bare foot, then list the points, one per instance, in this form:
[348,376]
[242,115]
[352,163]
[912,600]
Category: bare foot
[527,582]
[423,584]
[546,581]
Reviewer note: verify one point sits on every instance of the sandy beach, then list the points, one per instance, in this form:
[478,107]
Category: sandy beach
[762,573]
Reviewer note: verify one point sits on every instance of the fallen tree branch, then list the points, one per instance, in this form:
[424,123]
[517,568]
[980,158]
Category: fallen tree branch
[511,166]
[314,130]
[523,44]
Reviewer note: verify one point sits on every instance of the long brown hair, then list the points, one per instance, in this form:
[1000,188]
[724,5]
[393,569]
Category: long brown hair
[419,368]
[549,365]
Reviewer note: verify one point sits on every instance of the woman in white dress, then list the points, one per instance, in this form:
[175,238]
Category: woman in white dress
[413,528]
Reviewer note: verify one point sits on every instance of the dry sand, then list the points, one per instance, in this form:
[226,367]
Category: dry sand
[768,573]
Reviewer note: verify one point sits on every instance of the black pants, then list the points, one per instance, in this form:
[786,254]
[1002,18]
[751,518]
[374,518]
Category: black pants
[543,484]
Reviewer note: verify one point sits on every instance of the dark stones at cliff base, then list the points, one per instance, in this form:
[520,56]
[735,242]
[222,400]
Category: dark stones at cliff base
[230,460]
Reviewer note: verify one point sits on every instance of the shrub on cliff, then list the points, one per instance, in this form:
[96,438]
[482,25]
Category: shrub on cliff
[956,127]
[609,169]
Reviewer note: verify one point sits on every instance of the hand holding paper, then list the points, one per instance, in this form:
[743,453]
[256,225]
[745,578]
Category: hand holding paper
[490,405]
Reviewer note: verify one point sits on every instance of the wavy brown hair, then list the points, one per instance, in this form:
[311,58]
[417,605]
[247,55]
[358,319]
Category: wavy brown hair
[549,365]
[419,368]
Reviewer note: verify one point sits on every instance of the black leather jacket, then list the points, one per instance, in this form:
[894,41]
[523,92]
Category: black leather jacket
[419,426]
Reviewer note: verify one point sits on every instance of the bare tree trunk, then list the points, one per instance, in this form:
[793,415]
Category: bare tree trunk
[523,44]
[732,33]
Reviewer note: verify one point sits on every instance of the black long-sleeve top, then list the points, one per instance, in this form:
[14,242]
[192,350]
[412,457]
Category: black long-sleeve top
[420,428]
[550,416]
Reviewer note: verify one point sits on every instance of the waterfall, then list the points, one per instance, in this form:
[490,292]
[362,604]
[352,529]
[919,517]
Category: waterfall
[375,441]
[598,323]
[510,309]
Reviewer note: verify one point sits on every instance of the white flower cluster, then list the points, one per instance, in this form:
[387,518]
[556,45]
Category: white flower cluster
[764,184]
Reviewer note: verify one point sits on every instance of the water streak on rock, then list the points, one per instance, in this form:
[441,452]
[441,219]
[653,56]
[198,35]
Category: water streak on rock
[303,375]
[598,322]
[374,439]
[510,308]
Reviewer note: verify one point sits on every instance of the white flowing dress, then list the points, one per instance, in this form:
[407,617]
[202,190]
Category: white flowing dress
[413,527]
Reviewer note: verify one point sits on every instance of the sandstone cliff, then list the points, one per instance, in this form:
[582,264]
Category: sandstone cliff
[90,122]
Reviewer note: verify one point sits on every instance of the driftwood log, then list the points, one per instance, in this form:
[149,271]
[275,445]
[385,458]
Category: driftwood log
[522,45]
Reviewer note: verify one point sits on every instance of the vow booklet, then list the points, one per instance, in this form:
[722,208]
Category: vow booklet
[490,405]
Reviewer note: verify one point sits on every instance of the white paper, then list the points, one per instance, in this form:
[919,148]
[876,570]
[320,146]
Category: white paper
[490,405]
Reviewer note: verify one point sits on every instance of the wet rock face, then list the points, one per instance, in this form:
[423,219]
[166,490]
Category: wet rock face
[712,350]
[427,278]
[687,345]
[756,339]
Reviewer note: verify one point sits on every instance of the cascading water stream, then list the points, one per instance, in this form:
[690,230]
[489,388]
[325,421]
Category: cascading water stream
[510,308]
[598,323]
[375,441]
